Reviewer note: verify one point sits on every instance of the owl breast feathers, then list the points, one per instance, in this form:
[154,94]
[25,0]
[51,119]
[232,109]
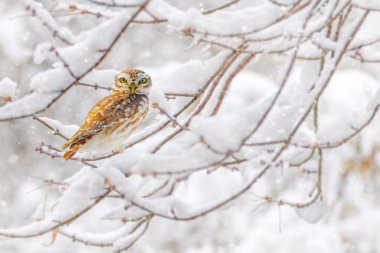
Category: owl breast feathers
[109,123]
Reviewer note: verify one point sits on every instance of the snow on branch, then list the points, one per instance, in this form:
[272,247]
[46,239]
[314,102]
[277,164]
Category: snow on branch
[212,122]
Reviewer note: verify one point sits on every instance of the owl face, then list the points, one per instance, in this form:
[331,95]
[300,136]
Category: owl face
[133,81]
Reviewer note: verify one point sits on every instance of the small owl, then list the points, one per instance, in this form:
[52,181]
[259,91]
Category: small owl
[115,117]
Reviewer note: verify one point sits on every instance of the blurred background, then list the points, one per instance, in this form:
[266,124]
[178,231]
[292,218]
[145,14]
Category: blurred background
[351,214]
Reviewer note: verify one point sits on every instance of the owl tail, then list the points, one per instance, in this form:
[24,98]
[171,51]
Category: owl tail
[73,149]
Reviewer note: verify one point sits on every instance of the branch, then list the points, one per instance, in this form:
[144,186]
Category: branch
[96,64]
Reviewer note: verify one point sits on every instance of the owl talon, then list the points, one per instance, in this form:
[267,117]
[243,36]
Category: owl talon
[118,149]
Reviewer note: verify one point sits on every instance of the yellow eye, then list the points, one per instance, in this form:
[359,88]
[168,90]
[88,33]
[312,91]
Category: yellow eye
[143,80]
[122,79]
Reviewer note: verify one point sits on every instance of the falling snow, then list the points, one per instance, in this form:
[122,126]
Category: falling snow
[262,133]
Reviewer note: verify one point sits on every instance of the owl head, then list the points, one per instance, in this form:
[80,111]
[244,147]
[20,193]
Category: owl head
[132,81]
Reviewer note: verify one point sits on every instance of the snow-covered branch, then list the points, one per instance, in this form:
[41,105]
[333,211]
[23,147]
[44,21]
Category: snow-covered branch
[214,123]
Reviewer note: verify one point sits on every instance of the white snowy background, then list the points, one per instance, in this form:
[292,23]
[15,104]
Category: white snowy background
[305,73]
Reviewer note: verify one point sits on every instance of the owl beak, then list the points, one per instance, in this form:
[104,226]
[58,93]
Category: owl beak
[132,88]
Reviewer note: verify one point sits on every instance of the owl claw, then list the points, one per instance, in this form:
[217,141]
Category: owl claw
[119,149]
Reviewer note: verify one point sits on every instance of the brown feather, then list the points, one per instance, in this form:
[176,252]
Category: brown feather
[73,149]
[106,116]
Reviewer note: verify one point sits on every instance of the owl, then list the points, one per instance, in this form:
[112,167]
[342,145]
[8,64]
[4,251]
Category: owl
[115,117]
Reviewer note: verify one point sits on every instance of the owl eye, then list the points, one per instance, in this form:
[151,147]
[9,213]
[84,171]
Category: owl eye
[143,80]
[122,79]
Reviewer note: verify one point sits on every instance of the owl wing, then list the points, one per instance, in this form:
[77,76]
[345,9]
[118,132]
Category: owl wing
[105,114]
